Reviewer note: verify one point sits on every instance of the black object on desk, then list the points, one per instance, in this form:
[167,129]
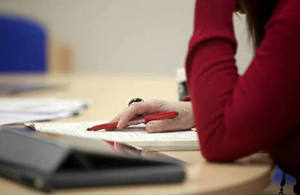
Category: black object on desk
[46,164]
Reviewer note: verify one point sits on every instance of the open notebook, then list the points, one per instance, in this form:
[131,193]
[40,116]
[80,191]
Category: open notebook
[137,136]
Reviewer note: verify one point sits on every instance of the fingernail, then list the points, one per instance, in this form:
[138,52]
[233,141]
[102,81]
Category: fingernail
[150,127]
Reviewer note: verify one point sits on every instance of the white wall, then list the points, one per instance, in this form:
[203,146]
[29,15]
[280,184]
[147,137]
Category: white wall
[121,36]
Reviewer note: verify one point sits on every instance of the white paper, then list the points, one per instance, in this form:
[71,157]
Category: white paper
[137,135]
[21,110]
[39,105]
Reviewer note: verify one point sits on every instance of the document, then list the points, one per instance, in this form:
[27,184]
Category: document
[21,110]
[136,135]
[24,86]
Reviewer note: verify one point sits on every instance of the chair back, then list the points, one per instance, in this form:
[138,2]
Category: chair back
[23,45]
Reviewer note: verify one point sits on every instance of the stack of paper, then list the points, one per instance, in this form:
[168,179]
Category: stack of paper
[21,110]
[137,136]
[21,87]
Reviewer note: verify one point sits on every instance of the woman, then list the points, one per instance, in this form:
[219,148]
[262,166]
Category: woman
[239,115]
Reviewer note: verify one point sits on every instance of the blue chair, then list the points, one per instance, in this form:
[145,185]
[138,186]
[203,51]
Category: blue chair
[278,175]
[23,45]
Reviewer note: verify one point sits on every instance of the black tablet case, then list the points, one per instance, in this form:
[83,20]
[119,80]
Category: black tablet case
[42,163]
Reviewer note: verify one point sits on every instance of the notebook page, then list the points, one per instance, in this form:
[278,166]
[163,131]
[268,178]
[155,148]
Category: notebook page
[136,135]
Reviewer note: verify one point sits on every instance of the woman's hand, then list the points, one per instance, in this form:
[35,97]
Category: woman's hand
[184,120]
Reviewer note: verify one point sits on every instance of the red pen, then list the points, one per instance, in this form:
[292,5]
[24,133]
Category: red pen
[143,119]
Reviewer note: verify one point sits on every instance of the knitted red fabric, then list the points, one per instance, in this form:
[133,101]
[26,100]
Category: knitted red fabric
[239,115]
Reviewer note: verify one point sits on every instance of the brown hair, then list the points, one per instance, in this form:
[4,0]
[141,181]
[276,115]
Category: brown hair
[258,12]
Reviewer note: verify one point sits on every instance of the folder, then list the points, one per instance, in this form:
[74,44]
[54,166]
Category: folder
[48,164]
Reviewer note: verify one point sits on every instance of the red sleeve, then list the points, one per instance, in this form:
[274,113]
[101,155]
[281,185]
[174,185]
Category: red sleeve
[187,99]
[239,115]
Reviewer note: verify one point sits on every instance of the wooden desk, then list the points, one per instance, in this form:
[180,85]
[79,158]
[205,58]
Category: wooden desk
[109,95]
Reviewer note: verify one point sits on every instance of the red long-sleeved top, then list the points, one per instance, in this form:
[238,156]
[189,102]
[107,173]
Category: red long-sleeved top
[239,115]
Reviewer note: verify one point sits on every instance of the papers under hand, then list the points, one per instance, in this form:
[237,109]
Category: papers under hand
[21,110]
[137,136]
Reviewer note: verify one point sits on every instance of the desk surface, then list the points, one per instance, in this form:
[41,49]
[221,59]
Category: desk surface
[109,95]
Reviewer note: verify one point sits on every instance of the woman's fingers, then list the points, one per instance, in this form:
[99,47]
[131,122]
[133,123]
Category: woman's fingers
[132,110]
[138,108]
[166,125]
[183,121]
[161,126]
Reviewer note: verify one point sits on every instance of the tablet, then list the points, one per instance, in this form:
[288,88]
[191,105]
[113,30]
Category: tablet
[47,163]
